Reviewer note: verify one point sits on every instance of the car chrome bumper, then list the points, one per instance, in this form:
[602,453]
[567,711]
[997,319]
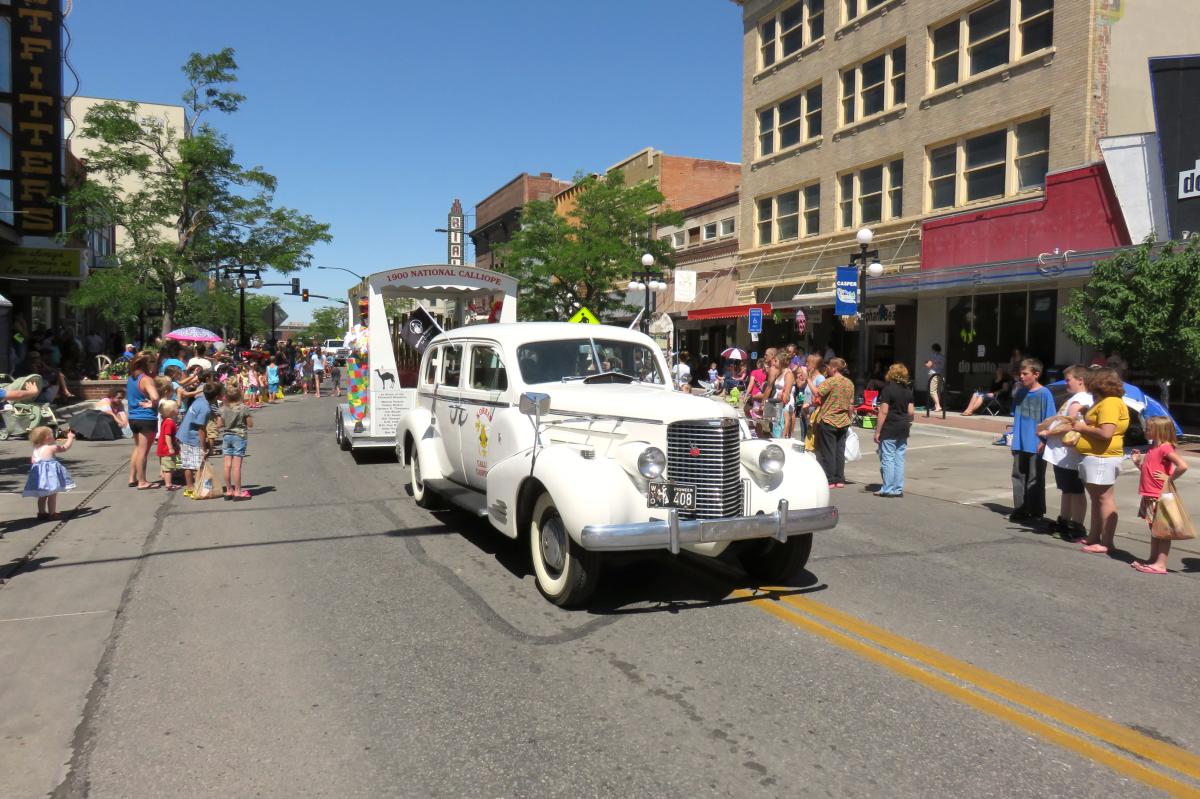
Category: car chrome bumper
[671,532]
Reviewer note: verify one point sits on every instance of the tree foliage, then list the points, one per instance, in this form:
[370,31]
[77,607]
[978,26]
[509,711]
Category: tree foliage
[193,206]
[563,263]
[1144,303]
[217,309]
[328,321]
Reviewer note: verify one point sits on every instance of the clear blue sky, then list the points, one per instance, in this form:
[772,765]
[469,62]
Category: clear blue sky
[376,115]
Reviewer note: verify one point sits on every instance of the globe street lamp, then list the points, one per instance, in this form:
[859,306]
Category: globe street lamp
[648,280]
[868,262]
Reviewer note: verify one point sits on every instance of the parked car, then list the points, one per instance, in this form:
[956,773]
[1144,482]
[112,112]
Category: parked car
[572,436]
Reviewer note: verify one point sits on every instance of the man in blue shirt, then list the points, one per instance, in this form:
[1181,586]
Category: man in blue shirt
[1032,404]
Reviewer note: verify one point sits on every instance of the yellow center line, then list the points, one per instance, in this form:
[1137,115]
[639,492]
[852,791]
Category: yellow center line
[1111,732]
[1117,762]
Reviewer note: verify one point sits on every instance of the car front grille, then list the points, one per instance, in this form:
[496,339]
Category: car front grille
[706,453]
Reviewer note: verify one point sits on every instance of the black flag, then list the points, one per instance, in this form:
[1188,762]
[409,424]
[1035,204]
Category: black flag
[419,330]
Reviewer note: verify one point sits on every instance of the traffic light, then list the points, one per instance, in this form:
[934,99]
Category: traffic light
[295,285]
[304,295]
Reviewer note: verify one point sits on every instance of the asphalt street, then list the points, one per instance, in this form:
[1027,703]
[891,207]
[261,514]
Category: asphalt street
[329,638]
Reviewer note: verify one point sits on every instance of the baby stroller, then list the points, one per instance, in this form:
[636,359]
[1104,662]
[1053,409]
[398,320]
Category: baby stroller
[21,417]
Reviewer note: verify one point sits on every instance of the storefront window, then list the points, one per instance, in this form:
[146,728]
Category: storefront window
[983,330]
[5,54]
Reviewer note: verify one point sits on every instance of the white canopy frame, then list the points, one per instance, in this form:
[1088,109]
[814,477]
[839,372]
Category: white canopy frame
[465,284]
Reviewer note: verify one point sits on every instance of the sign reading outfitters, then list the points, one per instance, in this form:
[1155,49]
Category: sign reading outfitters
[37,115]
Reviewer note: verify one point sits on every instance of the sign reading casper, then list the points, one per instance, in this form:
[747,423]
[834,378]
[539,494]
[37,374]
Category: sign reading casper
[845,291]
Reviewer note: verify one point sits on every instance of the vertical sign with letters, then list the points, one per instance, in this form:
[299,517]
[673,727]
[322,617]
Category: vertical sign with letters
[1175,84]
[454,234]
[845,291]
[37,115]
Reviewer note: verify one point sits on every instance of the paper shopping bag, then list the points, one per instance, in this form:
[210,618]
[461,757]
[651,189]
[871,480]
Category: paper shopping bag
[1171,520]
[206,485]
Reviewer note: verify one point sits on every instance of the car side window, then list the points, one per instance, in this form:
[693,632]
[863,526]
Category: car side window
[487,370]
[452,371]
[431,366]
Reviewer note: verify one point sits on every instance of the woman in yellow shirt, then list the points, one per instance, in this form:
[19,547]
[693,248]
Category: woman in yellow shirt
[1102,445]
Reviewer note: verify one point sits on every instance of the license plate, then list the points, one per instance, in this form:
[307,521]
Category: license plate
[662,494]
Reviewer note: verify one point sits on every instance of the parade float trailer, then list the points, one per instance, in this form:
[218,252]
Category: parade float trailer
[378,393]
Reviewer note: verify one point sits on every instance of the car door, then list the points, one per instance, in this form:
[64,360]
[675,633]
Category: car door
[486,397]
[448,409]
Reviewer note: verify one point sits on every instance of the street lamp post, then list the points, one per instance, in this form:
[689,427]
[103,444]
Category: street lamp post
[247,277]
[343,269]
[867,261]
[649,280]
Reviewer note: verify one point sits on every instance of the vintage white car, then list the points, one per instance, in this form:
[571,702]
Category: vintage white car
[571,435]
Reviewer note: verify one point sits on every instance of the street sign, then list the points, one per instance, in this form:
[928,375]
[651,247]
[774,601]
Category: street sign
[756,319]
[585,316]
[280,315]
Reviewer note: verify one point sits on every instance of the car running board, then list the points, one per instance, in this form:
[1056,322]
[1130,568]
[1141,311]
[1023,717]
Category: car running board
[460,496]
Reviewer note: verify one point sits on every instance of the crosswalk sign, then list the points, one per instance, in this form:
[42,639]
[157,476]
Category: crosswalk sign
[585,316]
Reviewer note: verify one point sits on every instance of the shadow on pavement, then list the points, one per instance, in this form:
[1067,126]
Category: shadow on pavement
[1191,565]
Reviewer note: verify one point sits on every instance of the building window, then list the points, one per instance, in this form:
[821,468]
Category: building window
[871,195]
[6,136]
[873,86]
[790,31]
[5,54]
[856,8]
[678,240]
[710,231]
[790,121]
[988,37]
[812,209]
[727,227]
[896,189]
[789,215]
[990,165]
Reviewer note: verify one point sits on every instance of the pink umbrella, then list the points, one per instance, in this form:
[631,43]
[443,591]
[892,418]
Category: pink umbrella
[193,334]
[734,354]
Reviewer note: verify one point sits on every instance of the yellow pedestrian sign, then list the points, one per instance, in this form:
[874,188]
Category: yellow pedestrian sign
[585,316]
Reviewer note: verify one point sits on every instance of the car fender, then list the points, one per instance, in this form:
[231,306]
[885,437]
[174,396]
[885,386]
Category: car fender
[417,425]
[803,482]
[586,490]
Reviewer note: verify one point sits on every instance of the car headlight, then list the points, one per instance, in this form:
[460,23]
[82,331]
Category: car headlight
[770,459]
[652,462]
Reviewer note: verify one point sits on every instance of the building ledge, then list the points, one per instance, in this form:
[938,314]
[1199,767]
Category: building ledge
[1000,74]
[783,155]
[800,54]
[875,120]
[875,13]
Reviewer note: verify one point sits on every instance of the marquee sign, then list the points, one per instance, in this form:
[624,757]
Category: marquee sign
[37,115]
[454,235]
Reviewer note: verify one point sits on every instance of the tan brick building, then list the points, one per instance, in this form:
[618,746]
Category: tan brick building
[892,114]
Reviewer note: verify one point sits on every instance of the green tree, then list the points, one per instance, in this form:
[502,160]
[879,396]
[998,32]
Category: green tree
[217,309]
[1145,303]
[194,207]
[583,259]
[328,321]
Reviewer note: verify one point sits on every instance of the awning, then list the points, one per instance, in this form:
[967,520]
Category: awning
[728,312]
[815,299]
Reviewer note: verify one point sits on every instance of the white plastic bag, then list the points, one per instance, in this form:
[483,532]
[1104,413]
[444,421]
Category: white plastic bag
[853,448]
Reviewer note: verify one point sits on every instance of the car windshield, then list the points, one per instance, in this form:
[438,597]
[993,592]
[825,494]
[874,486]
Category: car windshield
[554,361]
[333,342]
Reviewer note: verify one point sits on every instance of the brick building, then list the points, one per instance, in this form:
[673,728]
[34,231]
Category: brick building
[968,136]
[497,215]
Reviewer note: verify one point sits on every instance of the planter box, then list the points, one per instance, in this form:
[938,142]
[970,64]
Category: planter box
[94,389]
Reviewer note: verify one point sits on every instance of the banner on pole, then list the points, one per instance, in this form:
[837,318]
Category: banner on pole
[846,291]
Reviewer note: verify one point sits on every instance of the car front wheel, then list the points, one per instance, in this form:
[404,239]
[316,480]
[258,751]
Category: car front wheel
[566,573]
[772,561]
[421,495]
